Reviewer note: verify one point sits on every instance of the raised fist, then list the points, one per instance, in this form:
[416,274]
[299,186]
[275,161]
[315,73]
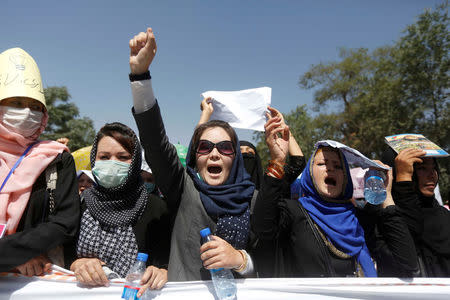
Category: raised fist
[142,51]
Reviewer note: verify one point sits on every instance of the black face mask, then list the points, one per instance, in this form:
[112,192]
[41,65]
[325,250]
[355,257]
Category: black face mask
[249,162]
[253,167]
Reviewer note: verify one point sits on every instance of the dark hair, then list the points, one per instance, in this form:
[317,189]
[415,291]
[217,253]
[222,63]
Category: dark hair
[211,124]
[436,167]
[121,133]
[388,157]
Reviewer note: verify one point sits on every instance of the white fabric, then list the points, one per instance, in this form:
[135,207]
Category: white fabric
[358,182]
[437,195]
[143,97]
[242,109]
[88,174]
[353,156]
[61,287]
[249,269]
[144,165]
[23,121]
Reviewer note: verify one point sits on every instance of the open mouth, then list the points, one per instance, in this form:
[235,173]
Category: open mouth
[214,169]
[430,185]
[330,181]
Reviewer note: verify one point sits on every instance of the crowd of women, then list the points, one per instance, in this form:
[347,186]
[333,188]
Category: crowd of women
[259,229]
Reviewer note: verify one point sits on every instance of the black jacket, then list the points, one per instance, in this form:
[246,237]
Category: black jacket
[297,249]
[38,231]
[429,225]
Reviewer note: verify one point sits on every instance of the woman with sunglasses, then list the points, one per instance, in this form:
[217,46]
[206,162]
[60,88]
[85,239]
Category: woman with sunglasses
[213,191]
[296,162]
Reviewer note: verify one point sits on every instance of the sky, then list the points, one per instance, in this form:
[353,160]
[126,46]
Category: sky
[202,46]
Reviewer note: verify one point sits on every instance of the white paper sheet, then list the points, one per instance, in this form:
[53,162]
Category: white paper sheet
[242,109]
[353,156]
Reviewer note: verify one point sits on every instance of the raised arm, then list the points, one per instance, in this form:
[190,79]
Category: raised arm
[142,51]
[160,154]
[404,192]
[207,109]
[265,218]
[294,148]
[296,162]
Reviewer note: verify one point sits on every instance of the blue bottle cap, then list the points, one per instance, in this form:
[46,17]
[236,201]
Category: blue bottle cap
[376,177]
[205,232]
[142,257]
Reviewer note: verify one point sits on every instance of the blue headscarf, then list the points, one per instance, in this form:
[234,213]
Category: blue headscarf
[336,217]
[229,203]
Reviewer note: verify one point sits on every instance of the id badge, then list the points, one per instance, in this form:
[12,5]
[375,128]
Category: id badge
[2,229]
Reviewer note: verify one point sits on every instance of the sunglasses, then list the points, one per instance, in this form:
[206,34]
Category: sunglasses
[224,147]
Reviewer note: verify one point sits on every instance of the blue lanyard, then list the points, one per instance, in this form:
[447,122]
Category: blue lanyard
[17,164]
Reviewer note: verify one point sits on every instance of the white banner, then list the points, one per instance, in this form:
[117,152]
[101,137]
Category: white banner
[60,286]
[242,109]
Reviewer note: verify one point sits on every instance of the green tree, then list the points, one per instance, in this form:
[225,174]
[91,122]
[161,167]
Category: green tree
[423,60]
[394,89]
[64,120]
[367,96]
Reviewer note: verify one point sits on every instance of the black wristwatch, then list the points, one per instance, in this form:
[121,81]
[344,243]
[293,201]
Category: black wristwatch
[138,77]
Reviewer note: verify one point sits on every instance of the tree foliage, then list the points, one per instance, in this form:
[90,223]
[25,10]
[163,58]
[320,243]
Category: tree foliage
[367,95]
[64,120]
[423,62]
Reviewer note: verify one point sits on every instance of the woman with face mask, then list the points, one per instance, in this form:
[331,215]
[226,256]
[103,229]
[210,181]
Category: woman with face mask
[416,178]
[322,234]
[39,215]
[120,218]
[212,191]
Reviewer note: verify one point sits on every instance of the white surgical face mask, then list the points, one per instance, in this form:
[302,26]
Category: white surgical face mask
[110,173]
[23,121]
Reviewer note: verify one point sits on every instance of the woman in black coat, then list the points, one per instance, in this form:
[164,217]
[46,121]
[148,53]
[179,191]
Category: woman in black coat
[416,178]
[322,233]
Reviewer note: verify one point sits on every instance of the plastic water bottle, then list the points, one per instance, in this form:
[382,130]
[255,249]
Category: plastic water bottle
[222,279]
[134,276]
[374,189]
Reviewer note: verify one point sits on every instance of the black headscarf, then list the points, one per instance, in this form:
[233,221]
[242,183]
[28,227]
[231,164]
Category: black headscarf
[228,203]
[436,219]
[252,164]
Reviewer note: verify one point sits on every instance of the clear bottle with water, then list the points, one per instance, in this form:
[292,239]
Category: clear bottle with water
[222,279]
[134,276]
[374,189]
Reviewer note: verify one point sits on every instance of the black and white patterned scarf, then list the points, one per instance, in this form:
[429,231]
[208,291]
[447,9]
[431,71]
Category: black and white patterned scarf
[107,224]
